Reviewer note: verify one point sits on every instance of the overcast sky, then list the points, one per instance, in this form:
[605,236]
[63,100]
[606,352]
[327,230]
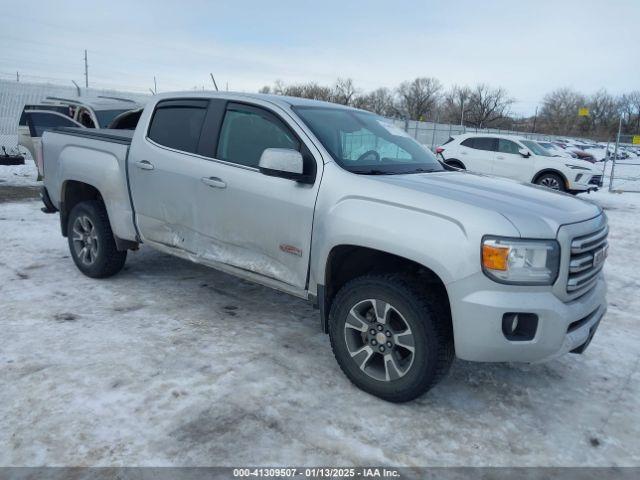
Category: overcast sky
[527,47]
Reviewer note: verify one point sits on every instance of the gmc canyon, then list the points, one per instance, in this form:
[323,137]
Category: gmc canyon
[409,263]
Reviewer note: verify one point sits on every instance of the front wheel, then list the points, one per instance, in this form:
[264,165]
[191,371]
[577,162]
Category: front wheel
[552,181]
[91,241]
[390,338]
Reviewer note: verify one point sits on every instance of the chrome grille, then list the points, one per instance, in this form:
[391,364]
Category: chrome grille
[587,259]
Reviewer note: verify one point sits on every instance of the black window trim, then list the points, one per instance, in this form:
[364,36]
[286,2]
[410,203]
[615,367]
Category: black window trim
[228,101]
[474,138]
[177,103]
[303,145]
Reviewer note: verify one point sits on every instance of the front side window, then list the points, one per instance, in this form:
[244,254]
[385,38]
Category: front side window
[507,146]
[537,149]
[365,143]
[178,125]
[248,131]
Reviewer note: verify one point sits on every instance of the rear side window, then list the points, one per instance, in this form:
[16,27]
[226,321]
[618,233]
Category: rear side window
[177,124]
[485,143]
[54,108]
[247,131]
[480,143]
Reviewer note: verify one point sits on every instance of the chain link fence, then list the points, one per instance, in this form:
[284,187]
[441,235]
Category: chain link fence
[624,169]
[435,134]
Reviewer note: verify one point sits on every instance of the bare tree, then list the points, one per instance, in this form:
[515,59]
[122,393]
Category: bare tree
[630,110]
[379,101]
[487,106]
[559,113]
[604,112]
[344,91]
[419,97]
[456,104]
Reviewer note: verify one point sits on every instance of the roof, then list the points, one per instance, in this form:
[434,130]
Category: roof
[280,100]
[99,102]
[493,135]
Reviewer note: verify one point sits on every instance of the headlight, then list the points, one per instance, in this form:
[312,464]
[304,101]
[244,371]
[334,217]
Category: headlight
[520,261]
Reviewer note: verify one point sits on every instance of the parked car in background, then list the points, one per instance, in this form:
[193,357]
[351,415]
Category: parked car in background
[408,263]
[85,112]
[519,159]
[556,150]
[582,154]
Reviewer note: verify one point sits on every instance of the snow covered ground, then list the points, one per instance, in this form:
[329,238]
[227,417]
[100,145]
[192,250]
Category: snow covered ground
[19,175]
[171,363]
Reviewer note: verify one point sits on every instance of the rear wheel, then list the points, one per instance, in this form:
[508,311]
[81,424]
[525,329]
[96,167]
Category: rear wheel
[91,241]
[390,338]
[455,164]
[552,181]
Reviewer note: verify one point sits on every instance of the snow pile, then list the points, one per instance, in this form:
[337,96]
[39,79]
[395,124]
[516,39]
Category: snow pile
[19,175]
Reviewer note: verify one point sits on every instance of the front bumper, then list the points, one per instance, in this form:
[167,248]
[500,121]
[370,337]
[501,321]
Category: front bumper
[478,306]
[585,182]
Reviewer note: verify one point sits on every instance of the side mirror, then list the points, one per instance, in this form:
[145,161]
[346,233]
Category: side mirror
[524,152]
[283,163]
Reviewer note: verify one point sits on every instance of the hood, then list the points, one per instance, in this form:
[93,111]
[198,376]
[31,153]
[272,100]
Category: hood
[536,212]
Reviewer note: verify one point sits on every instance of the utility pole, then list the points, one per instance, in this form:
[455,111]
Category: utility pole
[462,114]
[155,85]
[86,70]
[227,86]
[214,81]
[535,119]
[17,76]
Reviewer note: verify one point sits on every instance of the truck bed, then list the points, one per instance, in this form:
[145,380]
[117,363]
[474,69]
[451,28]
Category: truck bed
[96,157]
[106,134]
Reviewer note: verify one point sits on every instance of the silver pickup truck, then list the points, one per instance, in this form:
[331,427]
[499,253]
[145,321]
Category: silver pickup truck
[410,264]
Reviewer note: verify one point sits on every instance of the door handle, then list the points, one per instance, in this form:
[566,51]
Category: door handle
[214,182]
[144,165]
[463,152]
[500,157]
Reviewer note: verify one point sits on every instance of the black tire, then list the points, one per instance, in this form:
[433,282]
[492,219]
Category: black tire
[455,164]
[106,259]
[422,311]
[551,181]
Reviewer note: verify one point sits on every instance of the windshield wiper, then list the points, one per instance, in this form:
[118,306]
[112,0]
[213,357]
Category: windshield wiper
[425,170]
[372,172]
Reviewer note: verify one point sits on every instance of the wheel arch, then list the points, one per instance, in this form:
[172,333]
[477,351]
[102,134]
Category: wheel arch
[451,161]
[72,193]
[554,171]
[346,262]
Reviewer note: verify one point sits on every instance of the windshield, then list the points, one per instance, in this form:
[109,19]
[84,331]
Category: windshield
[365,143]
[536,149]
[105,116]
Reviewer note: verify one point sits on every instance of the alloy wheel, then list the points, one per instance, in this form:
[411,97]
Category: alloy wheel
[379,340]
[85,240]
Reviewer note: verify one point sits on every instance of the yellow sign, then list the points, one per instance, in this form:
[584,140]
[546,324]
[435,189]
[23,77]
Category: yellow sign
[636,140]
[583,112]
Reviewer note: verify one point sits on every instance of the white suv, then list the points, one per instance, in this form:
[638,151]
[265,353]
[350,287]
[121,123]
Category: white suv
[519,159]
